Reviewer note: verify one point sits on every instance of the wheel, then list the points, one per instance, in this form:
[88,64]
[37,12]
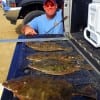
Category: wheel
[32,15]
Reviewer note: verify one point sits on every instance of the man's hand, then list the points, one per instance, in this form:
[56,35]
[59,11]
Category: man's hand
[27,30]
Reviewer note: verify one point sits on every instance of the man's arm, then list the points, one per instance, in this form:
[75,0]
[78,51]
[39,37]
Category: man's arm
[27,30]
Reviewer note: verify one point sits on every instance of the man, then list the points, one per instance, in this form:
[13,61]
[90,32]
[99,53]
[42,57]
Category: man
[45,23]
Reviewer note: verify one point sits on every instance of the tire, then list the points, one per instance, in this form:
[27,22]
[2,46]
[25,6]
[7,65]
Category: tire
[32,15]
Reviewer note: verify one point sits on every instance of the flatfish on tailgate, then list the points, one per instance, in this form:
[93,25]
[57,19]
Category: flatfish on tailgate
[46,46]
[39,88]
[54,66]
[57,64]
[49,55]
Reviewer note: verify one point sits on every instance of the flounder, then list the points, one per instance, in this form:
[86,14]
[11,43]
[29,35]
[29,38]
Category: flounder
[46,88]
[39,88]
[54,66]
[57,64]
[52,55]
[47,46]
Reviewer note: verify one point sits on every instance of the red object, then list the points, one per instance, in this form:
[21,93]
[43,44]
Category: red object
[0,1]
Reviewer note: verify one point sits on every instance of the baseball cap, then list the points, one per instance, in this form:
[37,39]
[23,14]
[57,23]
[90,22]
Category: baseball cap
[44,1]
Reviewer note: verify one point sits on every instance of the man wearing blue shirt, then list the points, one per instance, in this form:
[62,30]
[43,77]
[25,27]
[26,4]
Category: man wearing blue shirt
[45,23]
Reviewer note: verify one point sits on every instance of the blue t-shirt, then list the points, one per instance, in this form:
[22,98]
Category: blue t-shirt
[45,26]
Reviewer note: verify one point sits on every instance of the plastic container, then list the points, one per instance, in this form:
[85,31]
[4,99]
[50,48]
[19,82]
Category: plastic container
[92,32]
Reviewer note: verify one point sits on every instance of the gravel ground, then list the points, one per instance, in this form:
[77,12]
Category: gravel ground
[7,31]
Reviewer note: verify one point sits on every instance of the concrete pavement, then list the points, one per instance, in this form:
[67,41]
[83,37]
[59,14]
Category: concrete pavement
[7,31]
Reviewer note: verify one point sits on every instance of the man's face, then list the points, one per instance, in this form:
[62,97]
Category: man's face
[50,8]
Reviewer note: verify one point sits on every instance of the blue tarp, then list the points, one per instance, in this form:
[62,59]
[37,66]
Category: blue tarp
[18,67]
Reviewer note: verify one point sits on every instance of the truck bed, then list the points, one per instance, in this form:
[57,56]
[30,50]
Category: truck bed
[90,52]
[18,68]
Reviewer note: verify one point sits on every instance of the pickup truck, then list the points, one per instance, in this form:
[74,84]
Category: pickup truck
[23,9]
